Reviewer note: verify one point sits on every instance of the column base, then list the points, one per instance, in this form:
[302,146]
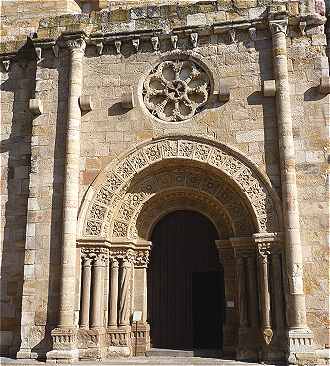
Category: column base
[140,339]
[65,348]
[91,344]
[26,354]
[118,340]
[300,345]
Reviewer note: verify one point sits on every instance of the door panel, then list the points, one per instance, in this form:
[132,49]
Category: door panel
[182,254]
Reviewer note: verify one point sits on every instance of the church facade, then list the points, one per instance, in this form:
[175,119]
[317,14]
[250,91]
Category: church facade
[164,179]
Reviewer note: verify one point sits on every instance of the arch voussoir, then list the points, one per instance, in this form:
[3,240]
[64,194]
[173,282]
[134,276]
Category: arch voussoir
[118,200]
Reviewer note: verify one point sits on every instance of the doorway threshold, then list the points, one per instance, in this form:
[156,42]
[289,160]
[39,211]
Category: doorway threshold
[164,352]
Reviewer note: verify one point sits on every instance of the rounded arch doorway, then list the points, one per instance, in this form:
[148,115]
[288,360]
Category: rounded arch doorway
[185,284]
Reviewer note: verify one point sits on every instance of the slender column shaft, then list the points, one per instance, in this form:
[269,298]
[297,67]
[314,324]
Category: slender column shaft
[97,295]
[296,306]
[85,293]
[265,294]
[252,298]
[278,295]
[113,315]
[124,293]
[243,319]
[71,187]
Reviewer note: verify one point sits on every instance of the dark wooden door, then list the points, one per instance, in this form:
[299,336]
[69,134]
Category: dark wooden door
[183,252]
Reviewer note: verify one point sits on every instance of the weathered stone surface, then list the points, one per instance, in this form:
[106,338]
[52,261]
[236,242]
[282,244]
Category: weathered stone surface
[86,161]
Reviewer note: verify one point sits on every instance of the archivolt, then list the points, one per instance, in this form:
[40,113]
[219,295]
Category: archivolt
[114,201]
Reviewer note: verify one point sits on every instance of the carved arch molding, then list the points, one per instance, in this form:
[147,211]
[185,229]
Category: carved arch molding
[178,172]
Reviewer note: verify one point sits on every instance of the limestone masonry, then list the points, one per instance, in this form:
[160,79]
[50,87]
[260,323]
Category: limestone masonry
[121,117]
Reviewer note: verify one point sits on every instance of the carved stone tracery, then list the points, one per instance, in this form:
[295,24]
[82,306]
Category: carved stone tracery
[176,90]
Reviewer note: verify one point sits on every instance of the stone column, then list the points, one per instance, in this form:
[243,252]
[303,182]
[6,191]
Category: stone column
[242,295]
[298,331]
[124,294]
[252,288]
[267,332]
[64,337]
[97,292]
[85,291]
[113,314]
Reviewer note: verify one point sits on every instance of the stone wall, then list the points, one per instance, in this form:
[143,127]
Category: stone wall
[32,147]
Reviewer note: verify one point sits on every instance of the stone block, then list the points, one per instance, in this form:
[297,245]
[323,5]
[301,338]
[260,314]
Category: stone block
[250,136]
[196,19]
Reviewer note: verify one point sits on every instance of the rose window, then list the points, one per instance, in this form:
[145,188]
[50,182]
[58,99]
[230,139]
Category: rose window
[176,90]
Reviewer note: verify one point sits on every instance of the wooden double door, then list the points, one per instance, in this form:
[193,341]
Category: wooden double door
[185,284]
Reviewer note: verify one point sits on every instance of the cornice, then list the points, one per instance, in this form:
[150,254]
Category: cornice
[231,28]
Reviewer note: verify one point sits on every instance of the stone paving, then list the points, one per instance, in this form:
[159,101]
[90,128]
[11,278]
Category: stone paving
[157,360]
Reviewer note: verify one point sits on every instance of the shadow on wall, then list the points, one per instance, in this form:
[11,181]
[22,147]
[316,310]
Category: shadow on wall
[16,152]
[53,262]
[270,142]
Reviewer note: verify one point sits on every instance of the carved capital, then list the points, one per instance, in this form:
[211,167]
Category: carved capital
[99,255]
[141,258]
[123,254]
[75,45]
[263,250]
[278,26]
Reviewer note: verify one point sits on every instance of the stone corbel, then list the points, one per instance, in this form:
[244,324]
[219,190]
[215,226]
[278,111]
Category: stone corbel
[38,52]
[85,103]
[155,43]
[194,39]
[224,91]
[55,49]
[232,35]
[118,47]
[127,100]
[302,27]
[269,88]
[6,65]
[324,87]
[253,33]
[136,44]
[99,48]
[36,106]
[174,41]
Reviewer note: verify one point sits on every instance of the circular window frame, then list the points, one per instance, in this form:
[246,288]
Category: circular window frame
[173,56]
